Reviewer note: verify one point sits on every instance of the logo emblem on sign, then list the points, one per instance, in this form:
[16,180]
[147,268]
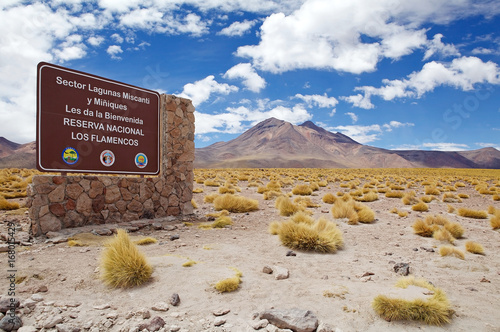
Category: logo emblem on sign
[70,156]
[107,158]
[141,160]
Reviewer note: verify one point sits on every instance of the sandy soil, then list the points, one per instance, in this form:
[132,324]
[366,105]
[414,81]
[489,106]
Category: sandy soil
[353,276]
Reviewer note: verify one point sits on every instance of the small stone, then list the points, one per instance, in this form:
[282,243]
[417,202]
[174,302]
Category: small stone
[294,319]
[221,312]
[157,226]
[42,289]
[174,328]
[27,329]
[52,321]
[472,289]
[143,313]
[6,304]
[485,280]
[219,321]
[402,268]
[9,323]
[323,327]
[67,328]
[154,325]
[325,277]
[366,274]
[281,273]
[291,253]
[37,297]
[160,306]
[174,237]
[102,306]
[267,269]
[260,324]
[415,249]
[175,299]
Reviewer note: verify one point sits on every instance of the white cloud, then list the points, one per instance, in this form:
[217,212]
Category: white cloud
[117,38]
[238,28]
[193,25]
[489,145]
[251,79]
[322,101]
[95,40]
[446,146]
[437,46]
[114,50]
[353,116]
[396,124]
[361,134]
[201,90]
[462,73]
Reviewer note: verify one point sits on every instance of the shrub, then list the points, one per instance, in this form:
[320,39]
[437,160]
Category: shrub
[210,198]
[302,189]
[495,220]
[226,190]
[442,234]
[343,209]
[305,201]
[409,198]
[193,203]
[271,194]
[237,204]
[6,205]
[427,198]
[474,247]
[469,213]
[286,207]
[432,190]
[451,251]
[146,240]
[455,229]
[451,198]
[394,194]
[329,198]
[211,183]
[229,284]
[496,197]
[420,227]
[197,190]
[368,197]
[122,264]
[433,311]
[321,236]
[420,206]
[302,217]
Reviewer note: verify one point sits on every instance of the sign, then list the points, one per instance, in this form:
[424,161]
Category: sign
[90,124]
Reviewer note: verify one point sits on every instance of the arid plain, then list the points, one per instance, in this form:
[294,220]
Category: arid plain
[190,256]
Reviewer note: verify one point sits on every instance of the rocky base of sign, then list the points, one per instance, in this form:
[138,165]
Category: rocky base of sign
[58,202]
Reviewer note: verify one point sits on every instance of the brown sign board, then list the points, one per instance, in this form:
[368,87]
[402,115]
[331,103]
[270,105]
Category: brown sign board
[90,124]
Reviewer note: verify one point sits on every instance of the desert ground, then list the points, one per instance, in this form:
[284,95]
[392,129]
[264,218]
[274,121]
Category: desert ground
[59,284]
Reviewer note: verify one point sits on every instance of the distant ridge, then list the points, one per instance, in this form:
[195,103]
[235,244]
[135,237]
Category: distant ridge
[276,143]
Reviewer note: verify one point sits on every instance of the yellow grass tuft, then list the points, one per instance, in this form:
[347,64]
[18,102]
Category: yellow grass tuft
[322,236]
[420,206]
[474,247]
[236,204]
[443,234]
[229,284]
[329,198]
[433,311]
[189,263]
[286,207]
[342,209]
[197,190]
[122,264]
[451,251]
[496,197]
[146,240]
[409,198]
[274,227]
[431,190]
[75,243]
[210,198]
[366,215]
[302,217]
[491,209]
[222,222]
[305,201]
[495,220]
[469,213]
[394,194]
[6,205]
[371,196]
[422,228]
[302,189]
[271,194]
[455,229]
[193,203]
[451,209]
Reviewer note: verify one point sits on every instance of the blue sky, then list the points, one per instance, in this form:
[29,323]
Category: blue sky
[395,74]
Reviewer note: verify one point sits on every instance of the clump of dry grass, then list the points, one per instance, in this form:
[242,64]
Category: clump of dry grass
[422,228]
[286,207]
[193,204]
[302,189]
[495,220]
[305,201]
[394,194]
[302,217]
[210,198]
[211,183]
[433,311]
[75,243]
[6,205]
[451,209]
[122,264]
[229,284]
[236,204]
[432,190]
[329,198]
[443,234]
[321,236]
[370,196]
[451,251]
[456,230]
[451,198]
[343,209]
[470,213]
[145,241]
[474,247]
[420,206]
[197,190]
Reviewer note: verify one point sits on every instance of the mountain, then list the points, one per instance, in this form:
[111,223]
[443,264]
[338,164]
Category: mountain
[17,155]
[276,143]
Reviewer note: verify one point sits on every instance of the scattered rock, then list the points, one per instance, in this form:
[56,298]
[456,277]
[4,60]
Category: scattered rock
[295,319]
[367,274]
[4,247]
[169,228]
[280,273]
[267,269]
[402,268]
[27,329]
[291,253]
[323,327]
[37,297]
[52,321]
[260,324]
[9,323]
[102,306]
[160,306]
[157,226]
[415,249]
[485,280]
[102,231]
[221,312]
[175,299]
[472,289]
[66,328]
[219,321]
[143,313]
[42,289]
[154,325]
[6,304]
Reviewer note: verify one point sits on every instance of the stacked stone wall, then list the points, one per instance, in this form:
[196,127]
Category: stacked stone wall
[56,202]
